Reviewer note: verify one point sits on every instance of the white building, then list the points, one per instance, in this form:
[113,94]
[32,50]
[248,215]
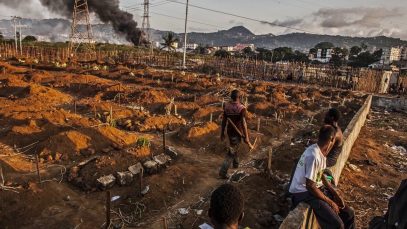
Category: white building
[228,48]
[323,55]
[240,47]
[404,53]
[192,46]
[391,54]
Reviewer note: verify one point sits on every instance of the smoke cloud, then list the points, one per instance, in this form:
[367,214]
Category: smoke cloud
[108,11]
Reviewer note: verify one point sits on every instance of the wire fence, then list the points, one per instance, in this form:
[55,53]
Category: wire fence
[360,79]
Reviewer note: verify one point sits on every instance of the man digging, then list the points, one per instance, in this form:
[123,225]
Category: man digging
[234,122]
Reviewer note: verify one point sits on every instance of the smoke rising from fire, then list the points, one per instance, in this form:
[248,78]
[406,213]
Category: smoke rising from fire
[108,11]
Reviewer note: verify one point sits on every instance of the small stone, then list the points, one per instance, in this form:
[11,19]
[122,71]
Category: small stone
[124,178]
[88,152]
[354,168]
[117,146]
[106,182]
[278,218]
[107,150]
[171,151]
[73,173]
[135,169]
[151,167]
[67,198]
[162,159]
[57,156]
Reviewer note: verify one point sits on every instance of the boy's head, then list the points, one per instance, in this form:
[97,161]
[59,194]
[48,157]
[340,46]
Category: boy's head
[333,115]
[235,95]
[326,138]
[226,207]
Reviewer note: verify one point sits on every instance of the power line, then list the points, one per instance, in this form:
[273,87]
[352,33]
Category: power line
[140,6]
[178,18]
[240,16]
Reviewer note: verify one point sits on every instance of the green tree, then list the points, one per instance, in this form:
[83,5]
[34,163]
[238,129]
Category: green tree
[378,54]
[29,38]
[324,45]
[169,41]
[222,53]
[200,50]
[339,56]
[364,59]
[355,50]
[363,46]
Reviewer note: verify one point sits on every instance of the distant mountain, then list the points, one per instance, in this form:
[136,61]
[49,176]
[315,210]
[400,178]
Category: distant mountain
[298,41]
[59,29]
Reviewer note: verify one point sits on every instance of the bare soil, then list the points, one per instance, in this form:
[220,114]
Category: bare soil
[73,115]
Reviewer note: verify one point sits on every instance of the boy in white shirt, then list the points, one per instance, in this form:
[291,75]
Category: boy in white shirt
[309,178]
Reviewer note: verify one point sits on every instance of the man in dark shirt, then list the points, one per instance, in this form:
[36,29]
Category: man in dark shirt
[234,122]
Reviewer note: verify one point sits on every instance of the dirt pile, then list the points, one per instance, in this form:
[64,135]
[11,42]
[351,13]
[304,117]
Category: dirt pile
[201,131]
[159,122]
[153,97]
[205,113]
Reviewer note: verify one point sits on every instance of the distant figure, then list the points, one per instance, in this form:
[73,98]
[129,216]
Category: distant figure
[234,122]
[309,179]
[226,207]
[331,118]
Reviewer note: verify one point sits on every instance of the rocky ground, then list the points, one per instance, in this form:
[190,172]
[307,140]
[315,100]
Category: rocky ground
[94,129]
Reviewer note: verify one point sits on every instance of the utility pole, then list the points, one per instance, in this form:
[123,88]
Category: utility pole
[15,32]
[79,36]
[185,37]
[21,43]
[146,20]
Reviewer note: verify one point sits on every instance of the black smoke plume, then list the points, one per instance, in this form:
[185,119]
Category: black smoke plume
[108,11]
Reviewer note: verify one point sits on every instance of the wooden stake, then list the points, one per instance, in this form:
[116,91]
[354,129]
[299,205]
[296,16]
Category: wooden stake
[164,144]
[1,176]
[75,106]
[269,159]
[258,124]
[38,168]
[165,225]
[94,110]
[111,115]
[108,200]
[141,181]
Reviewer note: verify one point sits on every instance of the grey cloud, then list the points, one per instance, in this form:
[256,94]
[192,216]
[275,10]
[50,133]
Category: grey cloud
[288,22]
[345,17]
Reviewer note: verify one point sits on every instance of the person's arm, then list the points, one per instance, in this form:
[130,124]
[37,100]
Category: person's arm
[311,174]
[314,190]
[336,197]
[245,132]
[224,121]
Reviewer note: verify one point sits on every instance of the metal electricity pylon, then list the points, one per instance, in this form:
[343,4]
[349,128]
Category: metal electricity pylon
[81,29]
[146,20]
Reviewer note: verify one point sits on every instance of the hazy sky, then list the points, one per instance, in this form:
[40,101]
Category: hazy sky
[337,17]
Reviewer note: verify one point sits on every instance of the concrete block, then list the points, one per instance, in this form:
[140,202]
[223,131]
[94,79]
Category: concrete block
[124,178]
[151,167]
[172,152]
[106,182]
[162,159]
[135,169]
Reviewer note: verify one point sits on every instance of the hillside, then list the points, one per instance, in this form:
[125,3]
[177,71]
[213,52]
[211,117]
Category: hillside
[59,29]
[300,41]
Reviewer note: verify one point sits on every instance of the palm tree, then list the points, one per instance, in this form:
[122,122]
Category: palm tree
[169,41]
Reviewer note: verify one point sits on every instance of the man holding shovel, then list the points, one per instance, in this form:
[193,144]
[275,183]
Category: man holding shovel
[234,122]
